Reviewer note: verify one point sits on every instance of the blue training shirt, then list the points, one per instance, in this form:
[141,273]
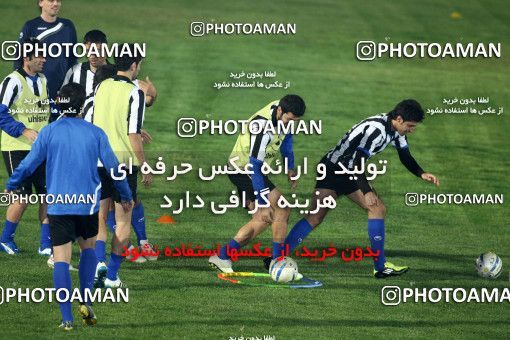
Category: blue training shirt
[60,31]
[71,148]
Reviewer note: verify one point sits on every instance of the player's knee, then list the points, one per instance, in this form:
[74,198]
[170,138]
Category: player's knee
[88,243]
[281,215]
[382,209]
[262,219]
[379,209]
[250,205]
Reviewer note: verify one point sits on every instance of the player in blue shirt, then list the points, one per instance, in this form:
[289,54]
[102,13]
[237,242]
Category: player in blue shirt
[48,28]
[71,147]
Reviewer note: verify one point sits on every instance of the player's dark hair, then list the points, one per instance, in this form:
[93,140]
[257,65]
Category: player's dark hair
[104,72]
[70,99]
[409,110]
[124,61]
[293,103]
[34,43]
[95,36]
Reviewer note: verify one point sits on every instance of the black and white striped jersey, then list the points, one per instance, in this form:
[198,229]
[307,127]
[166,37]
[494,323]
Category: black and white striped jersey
[11,87]
[88,105]
[81,74]
[368,137]
[136,110]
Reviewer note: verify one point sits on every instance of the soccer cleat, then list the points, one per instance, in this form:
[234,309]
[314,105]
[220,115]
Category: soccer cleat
[224,266]
[9,247]
[51,264]
[66,325]
[147,247]
[139,259]
[298,277]
[100,276]
[88,315]
[267,262]
[44,251]
[114,284]
[390,270]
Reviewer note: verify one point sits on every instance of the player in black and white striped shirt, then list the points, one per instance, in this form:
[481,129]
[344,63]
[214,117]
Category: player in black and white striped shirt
[24,111]
[108,71]
[83,73]
[361,142]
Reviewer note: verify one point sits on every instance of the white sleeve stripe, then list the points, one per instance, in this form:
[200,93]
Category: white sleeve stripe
[11,87]
[76,71]
[136,111]
[68,76]
[367,134]
[374,140]
[88,109]
[259,145]
[50,31]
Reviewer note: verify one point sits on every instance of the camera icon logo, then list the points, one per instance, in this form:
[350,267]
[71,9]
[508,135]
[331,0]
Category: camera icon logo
[5,199]
[187,127]
[365,50]
[391,295]
[412,199]
[11,50]
[197,29]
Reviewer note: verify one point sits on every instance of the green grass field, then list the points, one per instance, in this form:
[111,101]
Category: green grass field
[183,298]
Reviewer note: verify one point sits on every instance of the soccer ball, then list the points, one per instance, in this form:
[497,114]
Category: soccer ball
[284,270]
[489,265]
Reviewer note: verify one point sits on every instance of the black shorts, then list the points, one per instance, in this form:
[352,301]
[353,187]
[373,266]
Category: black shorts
[244,184]
[37,179]
[341,184]
[67,228]
[108,189]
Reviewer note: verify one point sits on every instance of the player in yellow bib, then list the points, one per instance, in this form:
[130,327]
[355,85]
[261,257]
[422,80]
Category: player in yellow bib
[24,110]
[119,108]
[263,142]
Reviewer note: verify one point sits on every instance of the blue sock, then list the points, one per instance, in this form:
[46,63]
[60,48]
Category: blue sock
[88,263]
[376,235]
[110,221]
[138,222]
[298,233]
[45,236]
[113,266]
[101,251]
[279,250]
[9,231]
[62,279]
[232,244]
